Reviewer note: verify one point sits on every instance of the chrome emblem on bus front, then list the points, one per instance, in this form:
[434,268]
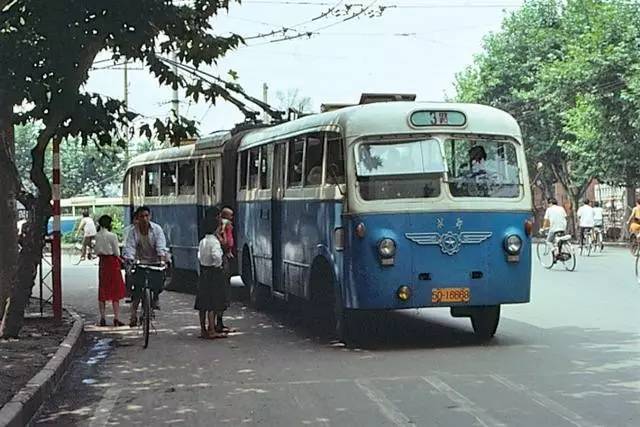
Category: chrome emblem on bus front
[449,242]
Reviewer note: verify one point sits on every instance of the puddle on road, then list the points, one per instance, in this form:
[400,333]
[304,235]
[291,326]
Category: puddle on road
[89,381]
[99,351]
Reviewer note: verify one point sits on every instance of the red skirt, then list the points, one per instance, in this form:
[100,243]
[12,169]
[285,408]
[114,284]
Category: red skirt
[110,282]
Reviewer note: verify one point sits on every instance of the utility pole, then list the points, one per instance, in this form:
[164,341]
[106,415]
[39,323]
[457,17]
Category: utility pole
[265,98]
[126,105]
[175,102]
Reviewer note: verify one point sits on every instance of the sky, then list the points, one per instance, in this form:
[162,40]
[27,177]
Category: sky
[414,46]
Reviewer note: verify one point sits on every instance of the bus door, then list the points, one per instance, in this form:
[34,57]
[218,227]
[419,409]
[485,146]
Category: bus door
[277,211]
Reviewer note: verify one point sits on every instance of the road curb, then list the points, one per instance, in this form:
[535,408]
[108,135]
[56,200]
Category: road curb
[23,406]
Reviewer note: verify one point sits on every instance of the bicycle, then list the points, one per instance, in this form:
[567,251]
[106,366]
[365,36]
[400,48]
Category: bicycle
[634,247]
[561,250]
[78,249]
[586,241]
[598,237]
[152,272]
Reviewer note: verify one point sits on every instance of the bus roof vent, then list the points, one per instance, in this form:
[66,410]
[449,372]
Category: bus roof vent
[369,98]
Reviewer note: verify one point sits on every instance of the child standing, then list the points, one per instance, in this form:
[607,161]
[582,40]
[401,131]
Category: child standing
[228,246]
[210,299]
[110,282]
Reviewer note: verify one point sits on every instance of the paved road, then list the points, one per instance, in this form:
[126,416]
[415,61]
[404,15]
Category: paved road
[569,358]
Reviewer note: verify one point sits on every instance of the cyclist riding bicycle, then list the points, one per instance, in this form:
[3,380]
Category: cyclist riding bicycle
[586,220]
[145,243]
[555,220]
[598,218]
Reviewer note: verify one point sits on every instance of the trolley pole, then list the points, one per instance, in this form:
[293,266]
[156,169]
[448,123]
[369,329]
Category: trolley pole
[56,250]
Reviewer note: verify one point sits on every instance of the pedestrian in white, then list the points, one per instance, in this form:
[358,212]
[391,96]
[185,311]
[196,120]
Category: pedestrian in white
[88,228]
[586,219]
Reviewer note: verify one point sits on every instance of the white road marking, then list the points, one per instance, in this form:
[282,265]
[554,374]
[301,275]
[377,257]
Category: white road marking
[387,407]
[465,403]
[105,407]
[544,401]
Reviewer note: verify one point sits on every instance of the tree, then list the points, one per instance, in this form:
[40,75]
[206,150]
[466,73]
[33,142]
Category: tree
[86,169]
[568,72]
[293,99]
[47,49]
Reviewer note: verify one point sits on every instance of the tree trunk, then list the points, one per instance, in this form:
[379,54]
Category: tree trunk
[8,235]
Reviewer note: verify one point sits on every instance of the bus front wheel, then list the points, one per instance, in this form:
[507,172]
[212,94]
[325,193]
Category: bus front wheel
[485,321]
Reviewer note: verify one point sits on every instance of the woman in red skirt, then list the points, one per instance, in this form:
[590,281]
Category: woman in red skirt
[110,282]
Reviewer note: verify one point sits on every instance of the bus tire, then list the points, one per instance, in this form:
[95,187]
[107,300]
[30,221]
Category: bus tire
[258,294]
[485,321]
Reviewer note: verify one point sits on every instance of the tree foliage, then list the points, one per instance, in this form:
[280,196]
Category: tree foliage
[46,50]
[568,72]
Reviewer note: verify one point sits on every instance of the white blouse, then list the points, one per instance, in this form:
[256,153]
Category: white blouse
[106,243]
[210,251]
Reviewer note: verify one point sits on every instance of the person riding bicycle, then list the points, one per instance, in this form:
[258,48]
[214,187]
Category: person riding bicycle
[634,220]
[555,220]
[147,244]
[88,229]
[586,219]
[598,218]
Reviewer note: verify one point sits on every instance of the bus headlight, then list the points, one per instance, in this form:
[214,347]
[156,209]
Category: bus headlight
[386,248]
[513,244]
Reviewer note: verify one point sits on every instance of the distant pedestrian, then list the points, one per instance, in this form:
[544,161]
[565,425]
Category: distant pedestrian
[586,219]
[229,248]
[210,299]
[88,229]
[110,283]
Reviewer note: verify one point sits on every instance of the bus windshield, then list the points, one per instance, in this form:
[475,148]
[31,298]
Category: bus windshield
[399,170]
[482,168]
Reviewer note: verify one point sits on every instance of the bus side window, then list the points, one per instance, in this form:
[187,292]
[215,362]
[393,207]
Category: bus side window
[186,178]
[313,160]
[335,159]
[265,167]
[296,155]
[243,170]
[125,184]
[136,182]
[254,167]
[152,181]
[168,179]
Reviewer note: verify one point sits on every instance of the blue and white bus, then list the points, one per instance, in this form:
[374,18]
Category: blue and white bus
[388,206]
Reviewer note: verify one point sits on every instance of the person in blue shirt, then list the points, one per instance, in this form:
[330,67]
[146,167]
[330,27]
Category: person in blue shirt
[145,242]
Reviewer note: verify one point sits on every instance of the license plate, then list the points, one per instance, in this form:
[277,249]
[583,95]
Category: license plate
[445,295]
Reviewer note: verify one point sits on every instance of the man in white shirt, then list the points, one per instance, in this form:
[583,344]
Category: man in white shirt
[586,219]
[555,219]
[598,215]
[88,228]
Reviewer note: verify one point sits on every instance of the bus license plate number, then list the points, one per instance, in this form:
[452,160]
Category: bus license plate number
[445,295]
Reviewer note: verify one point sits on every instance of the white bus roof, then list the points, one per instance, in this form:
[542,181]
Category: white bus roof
[389,118]
[211,142]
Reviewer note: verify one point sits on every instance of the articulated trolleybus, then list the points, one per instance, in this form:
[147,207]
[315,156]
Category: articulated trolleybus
[388,206]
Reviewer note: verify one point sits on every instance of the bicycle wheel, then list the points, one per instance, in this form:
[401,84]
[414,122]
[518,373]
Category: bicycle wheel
[589,246]
[146,312]
[570,263]
[638,269]
[544,251]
